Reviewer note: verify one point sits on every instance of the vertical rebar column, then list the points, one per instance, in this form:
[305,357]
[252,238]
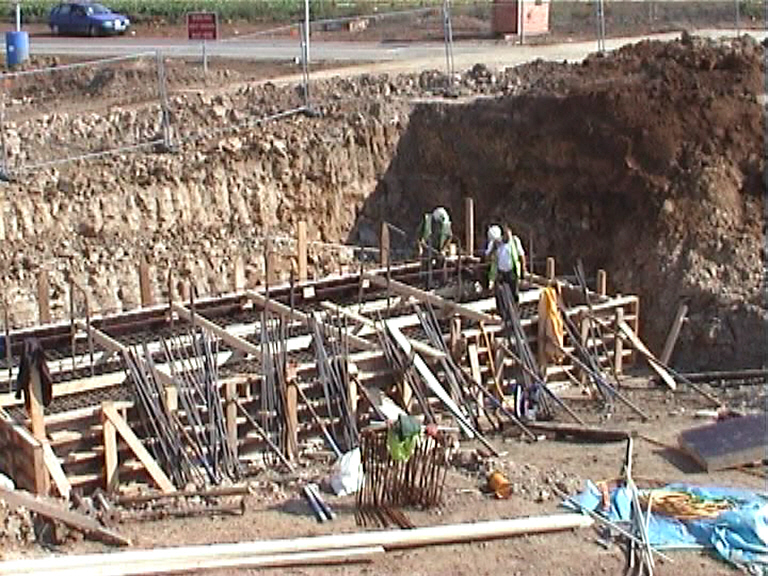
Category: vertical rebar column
[600,17]
[163,93]
[448,35]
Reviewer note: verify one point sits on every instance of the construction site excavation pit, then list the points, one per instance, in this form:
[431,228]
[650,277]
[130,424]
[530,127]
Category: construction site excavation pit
[244,248]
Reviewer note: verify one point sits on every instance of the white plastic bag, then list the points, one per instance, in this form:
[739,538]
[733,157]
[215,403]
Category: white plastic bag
[347,477]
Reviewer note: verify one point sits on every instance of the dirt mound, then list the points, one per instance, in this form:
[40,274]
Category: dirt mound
[647,163]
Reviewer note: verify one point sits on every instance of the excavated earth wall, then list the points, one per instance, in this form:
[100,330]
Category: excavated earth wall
[647,163]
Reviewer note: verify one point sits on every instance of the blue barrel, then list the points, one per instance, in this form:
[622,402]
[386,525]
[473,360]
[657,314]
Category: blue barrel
[16,48]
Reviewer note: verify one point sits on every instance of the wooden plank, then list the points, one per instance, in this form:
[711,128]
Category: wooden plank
[111,459]
[550,274]
[40,471]
[122,428]
[446,305]
[434,385]
[230,339]
[590,433]
[727,444]
[298,316]
[35,406]
[55,470]
[292,419]
[674,333]
[301,247]
[18,499]
[652,361]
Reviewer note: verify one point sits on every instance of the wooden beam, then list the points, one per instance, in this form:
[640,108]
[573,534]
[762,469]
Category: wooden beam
[55,470]
[618,344]
[384,246]
[420,347]
[109,343]
[292,419]
[111,461]
[652,360]
[44,297]
[19,499]
[133,442]
[469,225]
[35,405]
[286,312]
[422,296]
[674,333]
[301,247]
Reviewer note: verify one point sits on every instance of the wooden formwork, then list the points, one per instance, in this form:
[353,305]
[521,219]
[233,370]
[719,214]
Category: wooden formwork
[79,441]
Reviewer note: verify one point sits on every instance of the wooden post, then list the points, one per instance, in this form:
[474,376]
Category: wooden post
[111,459]
[40,470]
[550,268]
[270,272]
[36,405]
[145,286]
[172,398]
[618,343]
[43,297]
[602,283]
[238,274]
[584,336]
[541,335]
[291,411]
[301,256]
[455,337]
[230,390]
[384,253]
[469,225]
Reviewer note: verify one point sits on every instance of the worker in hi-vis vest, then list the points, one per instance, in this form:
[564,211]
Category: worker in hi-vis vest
[507,257]
[435,233]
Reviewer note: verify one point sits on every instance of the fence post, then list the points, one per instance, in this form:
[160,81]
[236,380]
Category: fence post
[163,93]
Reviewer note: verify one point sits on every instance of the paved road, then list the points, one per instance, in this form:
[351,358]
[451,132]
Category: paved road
[466,53]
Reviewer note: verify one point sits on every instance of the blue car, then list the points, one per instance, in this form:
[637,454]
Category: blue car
[86,18]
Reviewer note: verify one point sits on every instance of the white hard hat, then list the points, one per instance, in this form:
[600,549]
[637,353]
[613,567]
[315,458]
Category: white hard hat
[441,215]
[494,233]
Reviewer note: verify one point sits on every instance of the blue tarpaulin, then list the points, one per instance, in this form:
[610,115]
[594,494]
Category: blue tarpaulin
[739,534]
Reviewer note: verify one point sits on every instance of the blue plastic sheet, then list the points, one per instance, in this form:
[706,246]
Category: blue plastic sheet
[738,535]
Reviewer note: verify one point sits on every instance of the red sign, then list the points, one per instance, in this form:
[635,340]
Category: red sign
[202,26]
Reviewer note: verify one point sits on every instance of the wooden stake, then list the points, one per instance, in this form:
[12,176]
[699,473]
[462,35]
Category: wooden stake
[550,268]
[111,459]
[231,414]
[469,225]
[602,282]
[53,465]
[145,285]
[384,253]
[301,256]
[674,333]
[618,343]
[238,274]
[292,419]
[455,337]
[44,297]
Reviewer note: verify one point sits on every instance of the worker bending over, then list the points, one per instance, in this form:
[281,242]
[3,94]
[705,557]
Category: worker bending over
[507,258]
[435,234]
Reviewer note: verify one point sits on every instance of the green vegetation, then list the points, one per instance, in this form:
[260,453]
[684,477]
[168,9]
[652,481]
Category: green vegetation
[251,10]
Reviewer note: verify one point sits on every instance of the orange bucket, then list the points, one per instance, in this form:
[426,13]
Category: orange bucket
[499,485]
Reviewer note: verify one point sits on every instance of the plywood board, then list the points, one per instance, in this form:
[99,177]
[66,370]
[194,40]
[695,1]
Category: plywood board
[727,444]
